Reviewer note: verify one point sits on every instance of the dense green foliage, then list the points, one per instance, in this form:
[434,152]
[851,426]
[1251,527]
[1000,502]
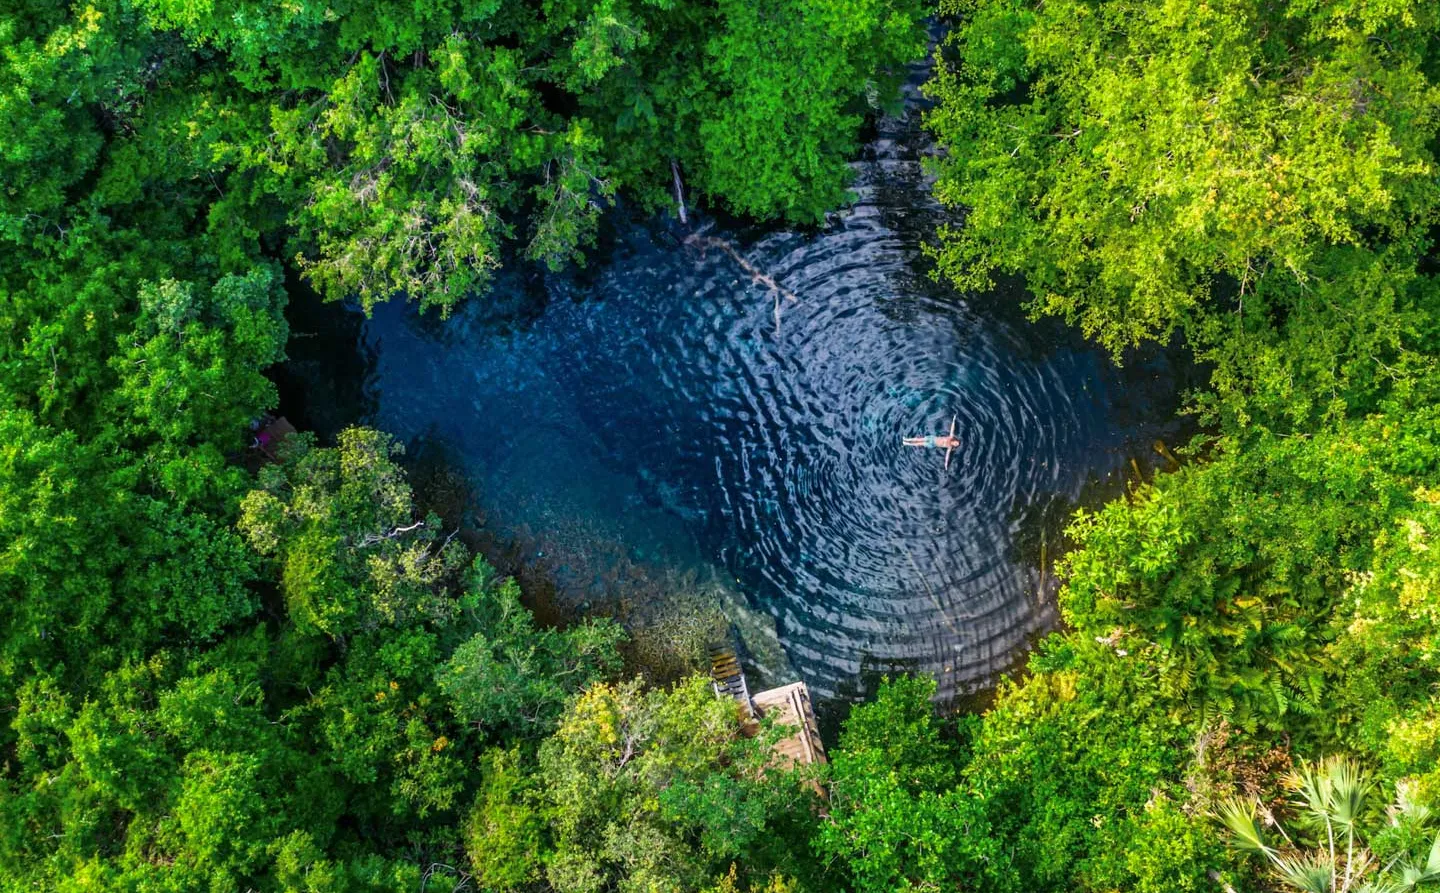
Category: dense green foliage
[1258,176]
[222,673]
[215,766]
[1340,834]
[1150,150]
[1257,180]
[658,791]
[397,148]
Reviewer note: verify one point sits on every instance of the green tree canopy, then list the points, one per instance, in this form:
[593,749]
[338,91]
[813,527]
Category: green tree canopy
[641,790]
[1226,170]
[341,525]
[412,149]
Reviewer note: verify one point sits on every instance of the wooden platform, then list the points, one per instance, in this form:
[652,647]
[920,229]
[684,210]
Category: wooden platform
[269,439]
[790,706]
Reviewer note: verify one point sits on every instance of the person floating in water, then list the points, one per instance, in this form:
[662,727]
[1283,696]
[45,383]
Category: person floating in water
[947,442]
[943,441]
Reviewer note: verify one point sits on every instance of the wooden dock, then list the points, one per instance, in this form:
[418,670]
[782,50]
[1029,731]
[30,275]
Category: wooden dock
[788,706]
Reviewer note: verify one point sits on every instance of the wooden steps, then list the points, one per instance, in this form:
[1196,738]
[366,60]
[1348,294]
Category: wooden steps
[727,676]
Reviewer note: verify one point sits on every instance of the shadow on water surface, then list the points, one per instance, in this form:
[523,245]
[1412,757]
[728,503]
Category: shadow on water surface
[323,383]
[647,432]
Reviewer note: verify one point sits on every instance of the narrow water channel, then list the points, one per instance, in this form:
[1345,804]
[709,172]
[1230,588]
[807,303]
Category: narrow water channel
[667,409]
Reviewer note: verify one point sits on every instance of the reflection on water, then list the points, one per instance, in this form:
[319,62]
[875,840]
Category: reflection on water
[660,402]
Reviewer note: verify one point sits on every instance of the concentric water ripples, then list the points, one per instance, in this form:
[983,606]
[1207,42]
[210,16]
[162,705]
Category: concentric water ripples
[867,551]
[779,444]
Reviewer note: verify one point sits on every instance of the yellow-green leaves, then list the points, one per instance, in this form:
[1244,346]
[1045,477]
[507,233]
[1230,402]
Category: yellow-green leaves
[1136,162]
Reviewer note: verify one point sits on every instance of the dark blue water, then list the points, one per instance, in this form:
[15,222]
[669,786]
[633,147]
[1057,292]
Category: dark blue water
[660,410]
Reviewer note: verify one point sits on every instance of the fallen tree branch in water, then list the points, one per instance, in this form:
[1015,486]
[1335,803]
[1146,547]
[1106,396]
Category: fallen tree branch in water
[757,276]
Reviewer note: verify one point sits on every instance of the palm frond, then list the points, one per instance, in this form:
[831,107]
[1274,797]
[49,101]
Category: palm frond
[1308,872]
[1407,810]
[1240,817]
[1310,785]
[1406,877]
[1334,791]
[1413,874]
[1349,788]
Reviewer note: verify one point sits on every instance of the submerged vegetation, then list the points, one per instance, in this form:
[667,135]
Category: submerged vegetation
[219,673]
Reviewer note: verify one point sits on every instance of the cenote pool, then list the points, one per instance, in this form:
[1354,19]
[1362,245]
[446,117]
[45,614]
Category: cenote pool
[652,425]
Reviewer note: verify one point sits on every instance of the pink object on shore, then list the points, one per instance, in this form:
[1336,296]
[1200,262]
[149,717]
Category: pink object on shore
[272,435]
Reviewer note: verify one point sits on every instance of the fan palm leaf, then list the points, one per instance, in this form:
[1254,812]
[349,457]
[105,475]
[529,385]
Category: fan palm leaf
[1240,817]
[1350,788]
[1333,792]
[1307,872]
[1408,809]
[1413,874]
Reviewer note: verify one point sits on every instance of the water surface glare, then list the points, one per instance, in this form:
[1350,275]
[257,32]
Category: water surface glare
[775,443]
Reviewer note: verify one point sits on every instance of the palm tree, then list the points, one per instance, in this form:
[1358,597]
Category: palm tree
[1332,802]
